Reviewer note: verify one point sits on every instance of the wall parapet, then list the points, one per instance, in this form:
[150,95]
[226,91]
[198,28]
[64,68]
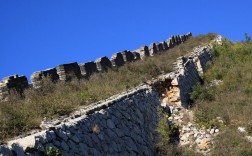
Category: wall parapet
[67,72]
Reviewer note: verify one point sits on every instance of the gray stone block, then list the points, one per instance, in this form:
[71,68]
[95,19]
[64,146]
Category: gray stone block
[103,64]
[88,68]
[153,49]
[68,72]
[165,46]
[14,82]
[136,56]
[38,77]
[127,56]
[5,151]
[160,47]
[143,51]
[117,60]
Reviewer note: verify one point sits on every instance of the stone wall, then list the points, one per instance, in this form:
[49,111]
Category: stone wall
[37,77]
[88,68]
[12,83]
[123,125]
[67,72]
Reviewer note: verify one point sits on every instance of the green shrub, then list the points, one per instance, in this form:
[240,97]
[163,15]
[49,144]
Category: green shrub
[52,151]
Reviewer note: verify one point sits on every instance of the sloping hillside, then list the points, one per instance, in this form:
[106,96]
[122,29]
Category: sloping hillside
[224,100]
[20,114]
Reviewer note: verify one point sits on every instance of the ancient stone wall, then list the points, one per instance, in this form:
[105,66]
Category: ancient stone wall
[123,125]
[12,83]
[88,69]
[37,77]
[68,72]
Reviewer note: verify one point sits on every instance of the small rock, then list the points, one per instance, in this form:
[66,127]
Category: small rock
[195,135]
[216,130]
[110,124]
[241,129]
[249,138]
[204,144]
[212,131]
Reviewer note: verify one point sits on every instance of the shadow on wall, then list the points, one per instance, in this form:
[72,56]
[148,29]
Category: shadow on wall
[124,125]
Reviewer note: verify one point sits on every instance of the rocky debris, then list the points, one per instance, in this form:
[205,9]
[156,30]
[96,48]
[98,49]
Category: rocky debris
[215,83]
[189,134]
[243,130]
[68,72]
[176,97]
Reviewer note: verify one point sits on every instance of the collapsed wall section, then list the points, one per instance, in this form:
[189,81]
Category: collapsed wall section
[123,125]
[187,73]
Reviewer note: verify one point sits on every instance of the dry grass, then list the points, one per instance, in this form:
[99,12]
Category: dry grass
[231,100]
[22,114]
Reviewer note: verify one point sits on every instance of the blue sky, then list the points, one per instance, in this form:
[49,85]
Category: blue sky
[40,34]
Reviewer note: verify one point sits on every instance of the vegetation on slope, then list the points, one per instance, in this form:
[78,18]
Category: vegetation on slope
[231,100]
[22,114]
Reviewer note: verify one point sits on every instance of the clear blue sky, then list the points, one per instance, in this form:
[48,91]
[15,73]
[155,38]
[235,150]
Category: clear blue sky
[39,34]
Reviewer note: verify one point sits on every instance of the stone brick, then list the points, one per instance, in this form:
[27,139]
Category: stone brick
[165,46]
[127,56]
[160,47]
[143,51]
[153,49]
[136,56]
[88,68]
[68,72]
[38,77]
[14,82]
[103,64]
[117,60]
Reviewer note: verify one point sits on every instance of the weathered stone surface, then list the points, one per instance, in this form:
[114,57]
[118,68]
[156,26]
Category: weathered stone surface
[4,151]
[165,45]
[160,47]
[122,124]
[153,49]
[103,64]
[143,51]
[127,56]
[15,83]
[121,131]
[117,60]
[68,72]
[136,56]
[88,68]
[38,77]
[170,42]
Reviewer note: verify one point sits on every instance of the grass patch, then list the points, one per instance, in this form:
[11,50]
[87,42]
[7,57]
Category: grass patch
[19,115]
[231,100]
